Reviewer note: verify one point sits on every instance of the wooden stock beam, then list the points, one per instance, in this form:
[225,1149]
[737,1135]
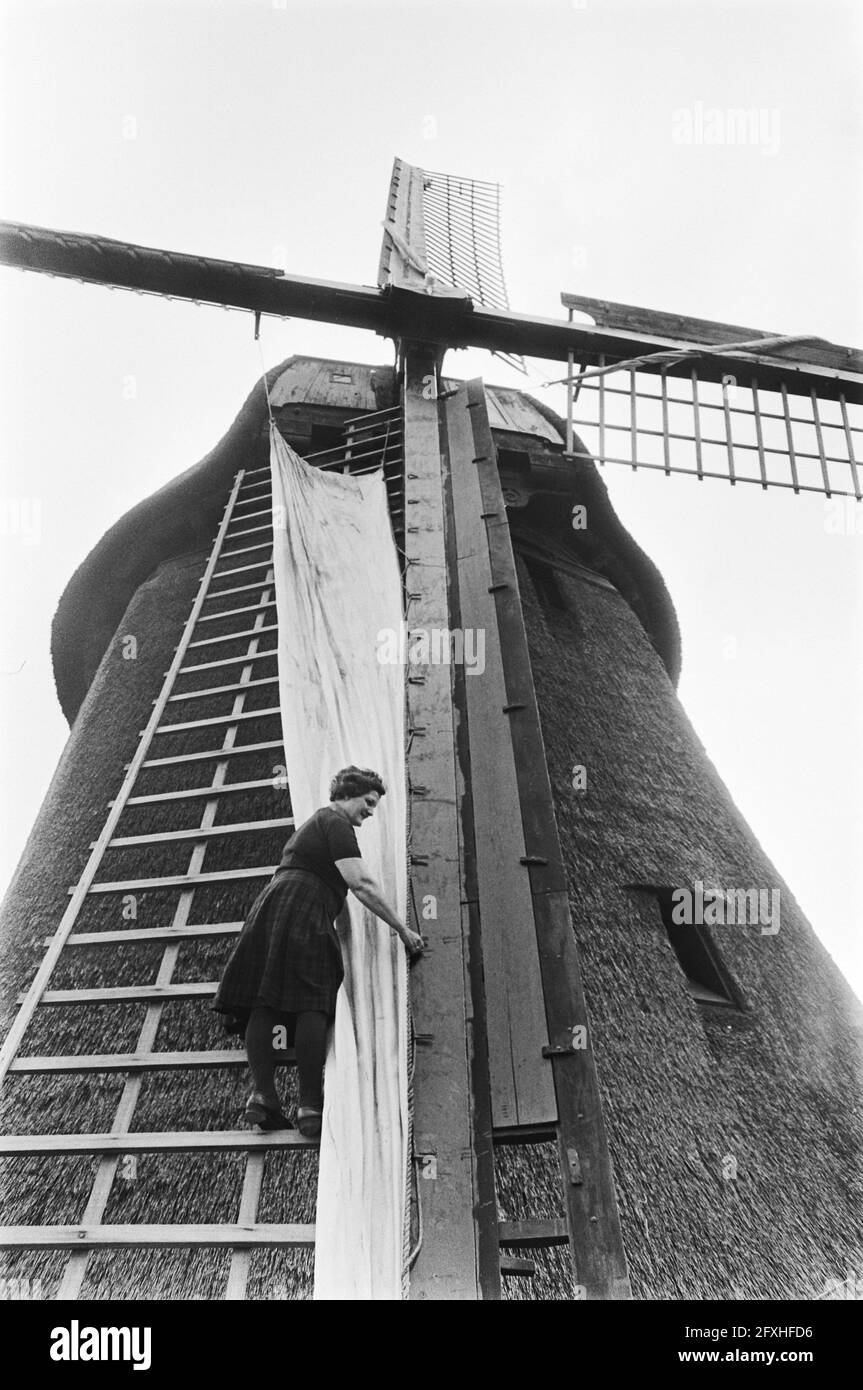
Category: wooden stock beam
[395,311]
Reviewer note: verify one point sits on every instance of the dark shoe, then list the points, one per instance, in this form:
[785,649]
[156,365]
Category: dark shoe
[265,1116]
[309,1122]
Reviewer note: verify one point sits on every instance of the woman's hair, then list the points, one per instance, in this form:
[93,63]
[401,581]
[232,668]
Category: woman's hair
[355,781]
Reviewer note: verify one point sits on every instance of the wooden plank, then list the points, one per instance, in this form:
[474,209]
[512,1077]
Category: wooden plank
[596,1242]
[204,833]
[136,1062]
[223,689]
[151,1237]
[241,1260]
[240,589]
[666,325]
[249,516]
[193,1141]
[240,569]
[163,934]
[522,1090]
[271,713]
[195,793]
[252,530]
[236,612]
[217,753]
[534,1234]
[204,989]
[234,636]
[229,661]
[128,885]
[447,1264]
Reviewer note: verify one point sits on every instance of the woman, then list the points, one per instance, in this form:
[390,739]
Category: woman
[284,973]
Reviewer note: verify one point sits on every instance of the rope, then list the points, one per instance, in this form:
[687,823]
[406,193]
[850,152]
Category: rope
[264,368]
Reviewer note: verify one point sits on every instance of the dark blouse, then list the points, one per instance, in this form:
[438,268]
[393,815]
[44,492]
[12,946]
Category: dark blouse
[319,841]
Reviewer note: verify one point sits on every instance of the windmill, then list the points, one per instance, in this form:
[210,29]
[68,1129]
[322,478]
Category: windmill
[533,1020]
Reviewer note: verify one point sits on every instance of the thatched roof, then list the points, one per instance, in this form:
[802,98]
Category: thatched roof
[182,516]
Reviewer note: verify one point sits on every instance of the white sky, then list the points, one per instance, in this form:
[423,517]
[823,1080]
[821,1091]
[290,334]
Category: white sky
[265,132]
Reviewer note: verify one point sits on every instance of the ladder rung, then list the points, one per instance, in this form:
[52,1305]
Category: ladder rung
[224,689]
[245,550]
[234,612]
[218,719]
[129,1237]
[218,753]
[510,1264]
[205,833]
[253,472]
[233,636]
[551,1231]
[178,1141]
[182,880]
[241,589]
[124,994]
[250,516]
[263,494]
[252,531]
[133,934]
[272,653]
[193,792]
[239,569]
[136,1061]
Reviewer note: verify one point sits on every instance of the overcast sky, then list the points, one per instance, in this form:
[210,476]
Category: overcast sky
[265,131]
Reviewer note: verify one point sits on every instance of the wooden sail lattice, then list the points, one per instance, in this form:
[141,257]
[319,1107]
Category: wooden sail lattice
[705,429]
[461,219]
[747,413]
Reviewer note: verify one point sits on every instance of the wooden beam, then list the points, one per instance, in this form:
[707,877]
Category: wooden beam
[163,934]
[181,1141]
[522,1091]
[125,994]
[395,312]
[135,1062]
[585,1163]
[447,1263]
[148,1237]
[635,319]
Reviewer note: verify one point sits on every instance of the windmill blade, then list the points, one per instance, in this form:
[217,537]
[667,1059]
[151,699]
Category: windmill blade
[442,236]
[719,401]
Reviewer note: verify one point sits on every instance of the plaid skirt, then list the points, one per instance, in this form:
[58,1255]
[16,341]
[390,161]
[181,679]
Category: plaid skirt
[287,956]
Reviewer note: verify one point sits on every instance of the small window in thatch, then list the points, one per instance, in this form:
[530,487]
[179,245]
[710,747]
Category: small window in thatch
[544,582]
[708,980]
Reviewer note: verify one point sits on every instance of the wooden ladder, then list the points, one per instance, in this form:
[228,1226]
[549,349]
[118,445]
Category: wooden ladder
[240,564]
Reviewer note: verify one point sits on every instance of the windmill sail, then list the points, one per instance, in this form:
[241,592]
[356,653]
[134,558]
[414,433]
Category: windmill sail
[719,401]
[446,231]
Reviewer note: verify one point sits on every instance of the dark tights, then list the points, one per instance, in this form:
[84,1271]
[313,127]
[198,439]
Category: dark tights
[310,1041]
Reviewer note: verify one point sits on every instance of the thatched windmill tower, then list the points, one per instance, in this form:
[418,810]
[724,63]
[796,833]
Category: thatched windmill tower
[606,1101]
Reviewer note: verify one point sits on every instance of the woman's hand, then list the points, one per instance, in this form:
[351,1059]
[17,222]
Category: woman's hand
[414,944]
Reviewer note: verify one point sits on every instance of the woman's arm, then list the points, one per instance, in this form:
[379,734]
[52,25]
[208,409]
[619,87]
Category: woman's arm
[365,887]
